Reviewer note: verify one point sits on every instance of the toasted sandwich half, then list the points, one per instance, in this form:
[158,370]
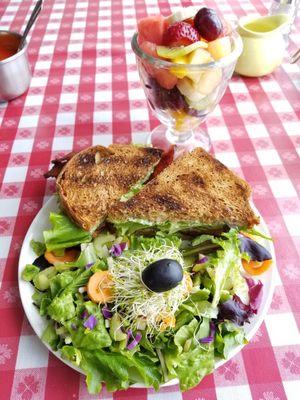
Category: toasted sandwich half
[196,192]
[94,179]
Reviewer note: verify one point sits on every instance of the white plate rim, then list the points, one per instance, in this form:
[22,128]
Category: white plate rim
[38,323]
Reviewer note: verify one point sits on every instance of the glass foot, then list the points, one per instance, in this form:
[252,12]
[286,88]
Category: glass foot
[161,138]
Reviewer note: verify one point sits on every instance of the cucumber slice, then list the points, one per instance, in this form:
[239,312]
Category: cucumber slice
[42,280]
[200,105]
[115,329]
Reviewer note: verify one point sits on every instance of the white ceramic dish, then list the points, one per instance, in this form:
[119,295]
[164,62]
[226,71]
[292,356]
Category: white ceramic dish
[38,323]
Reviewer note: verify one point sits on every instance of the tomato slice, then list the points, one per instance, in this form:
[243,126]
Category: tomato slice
[166,160]
[256,267]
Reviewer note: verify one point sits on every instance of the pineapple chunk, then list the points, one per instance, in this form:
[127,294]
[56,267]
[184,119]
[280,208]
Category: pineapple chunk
[220,47]
[178,71]
[199,56]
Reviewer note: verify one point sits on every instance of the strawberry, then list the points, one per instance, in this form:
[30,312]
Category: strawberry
[190,21]
[180,34]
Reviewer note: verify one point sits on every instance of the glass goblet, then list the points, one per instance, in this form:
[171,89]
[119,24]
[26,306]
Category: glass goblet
[182,95]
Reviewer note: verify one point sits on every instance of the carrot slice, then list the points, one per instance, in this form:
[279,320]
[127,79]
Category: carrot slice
[256,267]
[100,287]
[69,256]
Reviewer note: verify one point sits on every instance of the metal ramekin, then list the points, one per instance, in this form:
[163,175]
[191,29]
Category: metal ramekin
[15,74]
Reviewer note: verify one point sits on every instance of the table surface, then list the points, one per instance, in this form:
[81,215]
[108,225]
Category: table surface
[85,90]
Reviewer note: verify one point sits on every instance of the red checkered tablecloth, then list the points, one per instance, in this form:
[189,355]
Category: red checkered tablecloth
[85,90]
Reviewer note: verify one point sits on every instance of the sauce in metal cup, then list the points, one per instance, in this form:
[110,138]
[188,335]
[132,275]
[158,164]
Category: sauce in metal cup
[15,74]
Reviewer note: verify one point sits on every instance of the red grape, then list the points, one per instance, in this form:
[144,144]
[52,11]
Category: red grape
[208,24]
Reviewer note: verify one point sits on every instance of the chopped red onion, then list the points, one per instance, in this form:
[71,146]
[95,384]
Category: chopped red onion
[117,249]
[91,322]
[135,341]
[202,259]
[84,315]
[74,327]
[211,337]
[107,314]
[89,265]
[207,339]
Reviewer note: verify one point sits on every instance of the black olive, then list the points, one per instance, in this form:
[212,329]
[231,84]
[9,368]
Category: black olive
[41,262]
[255,250]
[162,275]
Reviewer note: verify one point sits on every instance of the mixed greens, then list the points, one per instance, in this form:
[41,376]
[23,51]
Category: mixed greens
[104,318]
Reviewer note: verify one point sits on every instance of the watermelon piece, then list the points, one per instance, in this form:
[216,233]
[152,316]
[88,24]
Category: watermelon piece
[153,28]
[140,39]
[165,78]
[150,49]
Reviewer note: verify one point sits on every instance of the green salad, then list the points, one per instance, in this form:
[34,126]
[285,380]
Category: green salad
[128,308]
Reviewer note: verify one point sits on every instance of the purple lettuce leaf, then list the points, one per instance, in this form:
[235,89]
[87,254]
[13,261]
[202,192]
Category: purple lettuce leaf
[255,293]
[236,311]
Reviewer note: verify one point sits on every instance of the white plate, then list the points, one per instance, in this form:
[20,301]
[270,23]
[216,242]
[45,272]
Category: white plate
[38,323]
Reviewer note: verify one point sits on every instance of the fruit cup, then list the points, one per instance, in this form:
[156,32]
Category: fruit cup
[182,92]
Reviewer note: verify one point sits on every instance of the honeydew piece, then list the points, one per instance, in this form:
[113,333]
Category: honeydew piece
[175,52]
[188,89]
[207,102]
[209,80]
[220,47]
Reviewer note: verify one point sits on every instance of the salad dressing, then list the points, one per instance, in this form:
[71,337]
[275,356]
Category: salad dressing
[8,46]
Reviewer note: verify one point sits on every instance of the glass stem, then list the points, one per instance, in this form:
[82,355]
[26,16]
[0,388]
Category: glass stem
[176,137]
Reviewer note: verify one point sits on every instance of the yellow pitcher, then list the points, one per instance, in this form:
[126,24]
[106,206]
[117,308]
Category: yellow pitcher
[264,45]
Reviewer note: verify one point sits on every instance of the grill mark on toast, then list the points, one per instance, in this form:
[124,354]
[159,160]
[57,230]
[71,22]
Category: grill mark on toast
[143,162]
[85,160]
[193,179]
[157,153]
[168,202]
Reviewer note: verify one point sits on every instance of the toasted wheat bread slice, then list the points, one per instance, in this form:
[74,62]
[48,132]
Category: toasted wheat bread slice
[98,176]
[194,188]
